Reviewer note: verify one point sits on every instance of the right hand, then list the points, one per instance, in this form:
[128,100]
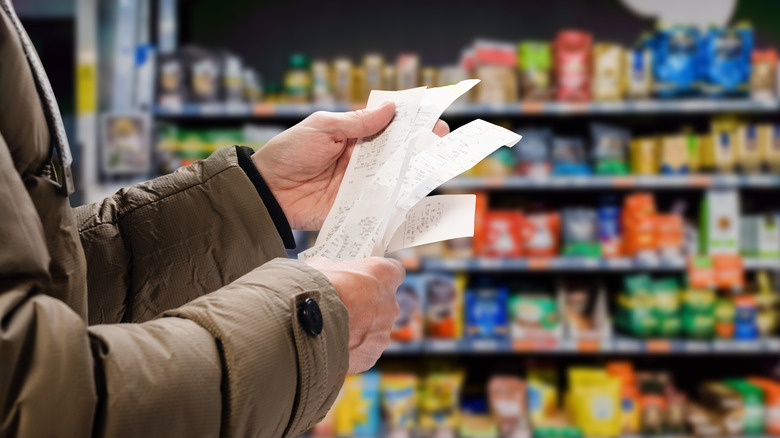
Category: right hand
[367,288]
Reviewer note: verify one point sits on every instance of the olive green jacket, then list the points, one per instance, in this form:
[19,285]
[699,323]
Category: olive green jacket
[190,263]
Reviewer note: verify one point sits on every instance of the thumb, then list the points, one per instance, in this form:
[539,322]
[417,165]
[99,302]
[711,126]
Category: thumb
[363,122]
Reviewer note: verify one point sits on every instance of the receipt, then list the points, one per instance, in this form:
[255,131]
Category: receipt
[381,205]
[375,195]
[434,219]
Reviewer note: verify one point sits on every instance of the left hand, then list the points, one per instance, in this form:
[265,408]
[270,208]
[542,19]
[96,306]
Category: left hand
[304,165]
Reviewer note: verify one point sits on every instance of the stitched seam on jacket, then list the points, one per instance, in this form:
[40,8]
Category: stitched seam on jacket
[122,214]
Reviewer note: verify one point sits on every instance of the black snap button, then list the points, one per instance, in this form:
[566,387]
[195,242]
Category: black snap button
[310,316]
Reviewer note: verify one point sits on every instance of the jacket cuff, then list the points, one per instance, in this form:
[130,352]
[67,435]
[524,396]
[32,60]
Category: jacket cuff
[267,351]
[244,154]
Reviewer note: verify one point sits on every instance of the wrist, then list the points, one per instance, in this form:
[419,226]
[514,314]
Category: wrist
[248,164]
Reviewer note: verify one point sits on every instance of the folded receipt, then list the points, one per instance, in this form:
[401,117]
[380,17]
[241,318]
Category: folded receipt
[382,204]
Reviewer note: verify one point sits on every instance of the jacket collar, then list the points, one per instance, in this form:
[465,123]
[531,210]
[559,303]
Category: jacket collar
[50,109]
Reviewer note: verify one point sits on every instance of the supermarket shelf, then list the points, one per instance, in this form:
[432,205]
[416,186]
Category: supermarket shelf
[572,264]
[614,182]
[688,106]
[616,345]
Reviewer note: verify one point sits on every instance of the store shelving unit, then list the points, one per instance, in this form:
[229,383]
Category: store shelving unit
[284,114]
[650,182]
[585,346]
[688,106]
[574,264]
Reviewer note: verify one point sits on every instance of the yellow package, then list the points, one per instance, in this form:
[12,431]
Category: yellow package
[607,82]
[747,148]
[360,86]
[769,144]
[594,401]
[706,153]
[399,403]
[373,66]
[673,155]
[343,80]
[724,150]
[644,157]
[352,409]
[439,403]
[542,395]
[693,143]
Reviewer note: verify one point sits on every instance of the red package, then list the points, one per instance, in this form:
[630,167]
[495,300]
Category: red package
[502,234]
[541,234]
[572,53]
[669,231]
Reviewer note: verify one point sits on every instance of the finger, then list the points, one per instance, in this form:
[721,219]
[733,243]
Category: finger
[441,128]
[360,123]
[390,272]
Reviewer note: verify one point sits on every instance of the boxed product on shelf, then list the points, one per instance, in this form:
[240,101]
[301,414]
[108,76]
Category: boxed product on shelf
[399,404]
[439,402]
[568,156]
[674,155]
[485,310]
[719,222]
[749,156]
[407,71]
[609,146]
[297,79]
[343,81]
[572,65]
[725,58]
[760,236]
[508,405]
[638,72]
[579,229]
[608,75]
[769,143]
[763,75]
[358,411]
[594,401]
[541,232]
[495,65]
[609,230]
[502,234]
[534,315]
[584,311]
[535,64]
[444,305]
[533,153]
[721,152]
[411,297]
[676,61]
[767,300]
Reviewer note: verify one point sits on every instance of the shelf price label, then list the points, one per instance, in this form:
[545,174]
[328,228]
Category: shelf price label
[539,263]
[523,345]
[658,346]
[588,346]
[531,107]
[263,109]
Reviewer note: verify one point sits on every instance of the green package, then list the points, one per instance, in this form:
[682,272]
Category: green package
[753,403]
[535,63]
[533,312]
[638,284]
[698,325]
[698,301]
[667,297]
[669,326]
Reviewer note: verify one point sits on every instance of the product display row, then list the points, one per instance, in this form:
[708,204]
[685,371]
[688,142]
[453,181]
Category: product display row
[671,62]
[607,401]
[730,146]
[437,306]
[619,227]
[192,144]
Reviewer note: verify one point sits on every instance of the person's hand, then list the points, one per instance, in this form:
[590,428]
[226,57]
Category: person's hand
[304,165]
[367,289]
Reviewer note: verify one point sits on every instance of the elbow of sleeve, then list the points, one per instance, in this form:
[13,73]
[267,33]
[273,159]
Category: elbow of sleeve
[278,377]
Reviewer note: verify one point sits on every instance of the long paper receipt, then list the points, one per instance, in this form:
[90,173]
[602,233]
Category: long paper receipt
[382,204]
